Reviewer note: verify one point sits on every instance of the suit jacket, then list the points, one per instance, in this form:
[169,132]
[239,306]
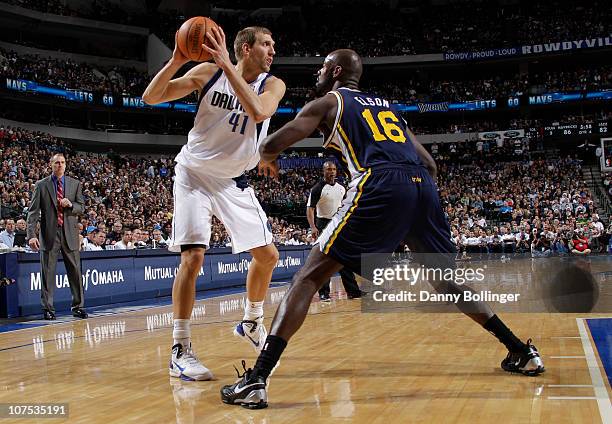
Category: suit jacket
[44,207]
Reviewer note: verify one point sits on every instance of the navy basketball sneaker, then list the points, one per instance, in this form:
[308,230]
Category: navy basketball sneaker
[527,361]
[249,391]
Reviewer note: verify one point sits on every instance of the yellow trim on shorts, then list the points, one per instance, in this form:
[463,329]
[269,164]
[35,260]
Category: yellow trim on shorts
[350,149]
[332,239]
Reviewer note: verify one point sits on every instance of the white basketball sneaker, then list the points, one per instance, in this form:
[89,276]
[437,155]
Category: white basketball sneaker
[186,366]
[252,332]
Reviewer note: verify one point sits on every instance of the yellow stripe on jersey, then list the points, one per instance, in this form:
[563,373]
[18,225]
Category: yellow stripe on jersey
[348,214]
[341,106]
[349,147]
[338,116]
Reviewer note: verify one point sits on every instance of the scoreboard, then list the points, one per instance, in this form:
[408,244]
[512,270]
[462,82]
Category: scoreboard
[600,127]
[570,130]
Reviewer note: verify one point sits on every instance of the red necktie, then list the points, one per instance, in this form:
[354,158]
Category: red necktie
[60,208]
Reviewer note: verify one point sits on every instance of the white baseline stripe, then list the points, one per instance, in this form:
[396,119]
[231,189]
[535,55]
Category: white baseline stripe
[572,397]
[601,393]
[565,337]
[570,385]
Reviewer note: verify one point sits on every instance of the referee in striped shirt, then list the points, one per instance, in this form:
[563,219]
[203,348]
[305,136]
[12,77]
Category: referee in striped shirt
[324,200]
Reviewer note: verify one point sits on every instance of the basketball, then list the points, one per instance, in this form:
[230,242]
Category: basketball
[191,36]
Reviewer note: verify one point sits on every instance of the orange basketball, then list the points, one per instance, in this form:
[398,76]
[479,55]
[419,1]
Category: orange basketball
[191,36]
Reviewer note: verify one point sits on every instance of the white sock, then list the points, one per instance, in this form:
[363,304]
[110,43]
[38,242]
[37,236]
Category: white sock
[253,311]
[182,332]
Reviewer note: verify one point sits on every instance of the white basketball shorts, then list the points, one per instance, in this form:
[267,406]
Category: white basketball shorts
[198,197]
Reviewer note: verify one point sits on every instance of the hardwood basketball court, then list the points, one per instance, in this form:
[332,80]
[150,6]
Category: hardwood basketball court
[342,366]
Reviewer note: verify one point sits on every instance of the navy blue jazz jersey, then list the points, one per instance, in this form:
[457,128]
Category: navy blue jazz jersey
[391,197]
[369,131]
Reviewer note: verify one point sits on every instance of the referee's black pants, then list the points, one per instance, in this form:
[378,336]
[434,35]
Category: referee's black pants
[348,278]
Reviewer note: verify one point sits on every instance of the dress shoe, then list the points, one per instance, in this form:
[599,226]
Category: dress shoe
[48,315]
[79,313]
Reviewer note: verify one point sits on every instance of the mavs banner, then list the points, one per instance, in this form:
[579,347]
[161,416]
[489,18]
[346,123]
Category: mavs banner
[120,276]
[73,95]
[559,46]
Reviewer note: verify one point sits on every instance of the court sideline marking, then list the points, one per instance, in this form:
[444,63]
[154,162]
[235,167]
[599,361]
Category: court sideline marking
[601,392]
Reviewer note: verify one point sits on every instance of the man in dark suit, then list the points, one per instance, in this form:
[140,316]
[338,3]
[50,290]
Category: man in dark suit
[57,202]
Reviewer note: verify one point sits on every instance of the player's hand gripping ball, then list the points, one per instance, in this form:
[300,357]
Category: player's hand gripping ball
[192,34]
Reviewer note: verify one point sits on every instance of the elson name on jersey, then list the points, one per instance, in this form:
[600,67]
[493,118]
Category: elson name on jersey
[225,101]
[368,101]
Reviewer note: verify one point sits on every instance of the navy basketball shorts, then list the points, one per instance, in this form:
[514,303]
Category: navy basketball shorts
[385,206]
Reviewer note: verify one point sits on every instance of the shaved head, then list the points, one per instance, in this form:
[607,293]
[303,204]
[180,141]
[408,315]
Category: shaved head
[341,68]
[350,62]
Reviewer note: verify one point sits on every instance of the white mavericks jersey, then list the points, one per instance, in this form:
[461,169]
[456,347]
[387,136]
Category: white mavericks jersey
[224,140]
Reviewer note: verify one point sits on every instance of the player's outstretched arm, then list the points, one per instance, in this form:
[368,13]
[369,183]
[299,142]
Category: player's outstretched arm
[311,117]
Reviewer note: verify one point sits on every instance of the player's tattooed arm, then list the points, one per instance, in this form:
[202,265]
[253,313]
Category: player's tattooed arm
[319,113]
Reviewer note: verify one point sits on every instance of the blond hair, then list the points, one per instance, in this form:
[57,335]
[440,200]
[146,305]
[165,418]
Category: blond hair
[248,35]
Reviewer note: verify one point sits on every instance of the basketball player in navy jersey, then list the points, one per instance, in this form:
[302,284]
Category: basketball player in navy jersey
[392,196]
[234,110]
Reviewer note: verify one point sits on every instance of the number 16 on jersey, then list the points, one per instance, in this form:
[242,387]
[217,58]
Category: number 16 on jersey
[234,121]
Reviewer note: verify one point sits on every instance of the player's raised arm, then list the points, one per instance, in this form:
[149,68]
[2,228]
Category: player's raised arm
[311,117]
[164,89]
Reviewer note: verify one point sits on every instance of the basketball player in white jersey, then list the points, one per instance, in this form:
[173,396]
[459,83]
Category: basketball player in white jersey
[232,118]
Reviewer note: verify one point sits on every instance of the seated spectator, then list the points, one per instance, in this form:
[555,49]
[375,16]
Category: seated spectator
[7,236]
[523,243]
[580,244]
[144,241]
[89,237]
[158,242]
[295,240]
[20,233]
[96,241]
[115,234]
[126,240]
[508,241]
[540,245]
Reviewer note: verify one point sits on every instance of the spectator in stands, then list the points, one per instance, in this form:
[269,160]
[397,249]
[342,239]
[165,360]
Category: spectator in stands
[126,240]
[89,237]
[508,240]
[158,242]
[523,243]
[580,244]
[96,241]
[8,235]
[541,245]
[20,233]
[115,235]
[167,230]
[144,241]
